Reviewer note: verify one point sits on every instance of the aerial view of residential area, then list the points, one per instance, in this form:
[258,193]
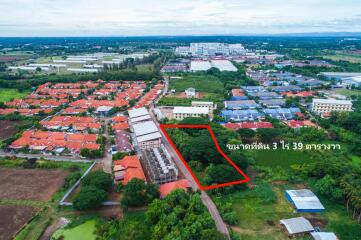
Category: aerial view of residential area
[180,120]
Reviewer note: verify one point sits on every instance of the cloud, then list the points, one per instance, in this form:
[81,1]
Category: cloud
[175,17]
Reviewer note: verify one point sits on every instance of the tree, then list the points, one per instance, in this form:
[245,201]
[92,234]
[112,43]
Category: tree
[99,179]
[246,133]
[137,193]
[89,197]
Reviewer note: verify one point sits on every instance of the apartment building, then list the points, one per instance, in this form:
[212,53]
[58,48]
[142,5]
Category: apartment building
[180,113]
[321,106]
[210,105]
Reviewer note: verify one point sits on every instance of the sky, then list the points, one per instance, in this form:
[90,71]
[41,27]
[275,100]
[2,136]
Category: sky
[176,17]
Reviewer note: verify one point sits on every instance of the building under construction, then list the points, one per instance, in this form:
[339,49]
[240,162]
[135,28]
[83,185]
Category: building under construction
[159,165]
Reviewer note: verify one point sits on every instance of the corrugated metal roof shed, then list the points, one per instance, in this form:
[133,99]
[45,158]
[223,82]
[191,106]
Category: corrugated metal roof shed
[297,225]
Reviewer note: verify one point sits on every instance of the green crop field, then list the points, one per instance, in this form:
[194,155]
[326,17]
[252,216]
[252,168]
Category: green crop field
[7,94]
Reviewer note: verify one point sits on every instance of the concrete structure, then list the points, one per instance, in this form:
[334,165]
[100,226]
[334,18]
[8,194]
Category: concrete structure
[304,200]
[180,113]
[321,106]
[210,105]
[159,165]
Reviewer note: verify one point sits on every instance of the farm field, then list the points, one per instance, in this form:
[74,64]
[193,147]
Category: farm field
[8,128]
[7,94]
[13,218]
[30,184]
[344,57]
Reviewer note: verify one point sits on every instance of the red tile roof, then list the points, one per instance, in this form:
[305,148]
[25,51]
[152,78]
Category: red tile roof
[132,168]
[167,188]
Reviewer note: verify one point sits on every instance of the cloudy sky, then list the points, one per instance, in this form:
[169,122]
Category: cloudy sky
[176,17]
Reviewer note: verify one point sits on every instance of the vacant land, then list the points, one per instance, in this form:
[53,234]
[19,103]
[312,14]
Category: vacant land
[8,128]
[7,94]
[280,158]
[207,84]
[259,215]
[30,184]
[13,218]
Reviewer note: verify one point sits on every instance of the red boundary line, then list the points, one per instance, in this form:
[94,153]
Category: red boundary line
[208,127]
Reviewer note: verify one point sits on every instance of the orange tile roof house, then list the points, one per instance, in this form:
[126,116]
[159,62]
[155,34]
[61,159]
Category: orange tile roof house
[67,122]
[128,168]
[167,188]
[49,141]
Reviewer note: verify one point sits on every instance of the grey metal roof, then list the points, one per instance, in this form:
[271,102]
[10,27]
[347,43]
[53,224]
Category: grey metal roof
[297,225]
[144,128]
[305,199]
[137,112]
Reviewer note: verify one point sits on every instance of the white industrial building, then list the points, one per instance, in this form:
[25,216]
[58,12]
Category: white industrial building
[69,61]
[79,70]
[180,113]
[28,68]
[138,112]
[147,135]
[211,49]
[321,106]
[352,81]
[200,66]
[223,65]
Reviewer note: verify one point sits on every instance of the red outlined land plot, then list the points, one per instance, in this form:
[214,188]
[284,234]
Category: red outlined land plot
[246,179]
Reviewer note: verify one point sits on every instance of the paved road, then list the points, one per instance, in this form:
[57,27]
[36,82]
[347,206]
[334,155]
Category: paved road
[207,201]
[107,159]
[47,157]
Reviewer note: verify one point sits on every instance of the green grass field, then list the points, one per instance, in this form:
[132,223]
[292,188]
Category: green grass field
[207,84]
[281,158]
[344,57]
[348,92]
[260,220]
[7,94]
[84,231]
